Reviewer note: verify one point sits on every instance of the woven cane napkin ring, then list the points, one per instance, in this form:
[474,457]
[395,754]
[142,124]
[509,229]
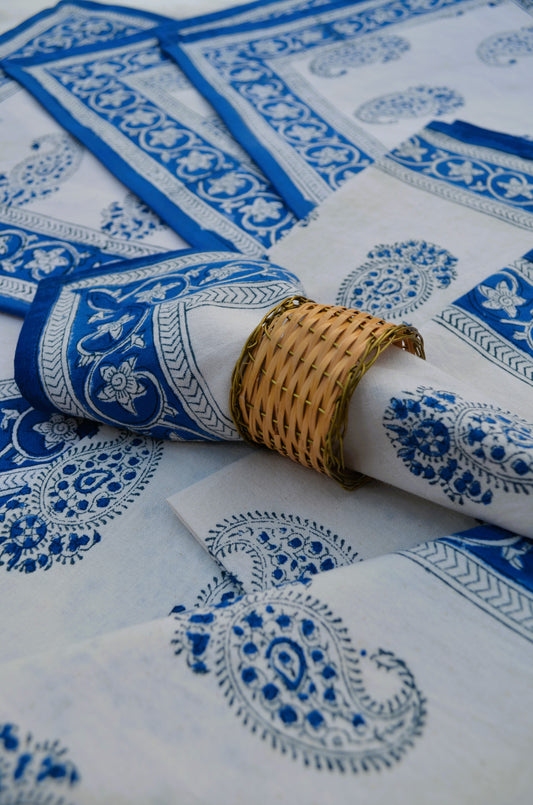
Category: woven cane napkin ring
[292,384]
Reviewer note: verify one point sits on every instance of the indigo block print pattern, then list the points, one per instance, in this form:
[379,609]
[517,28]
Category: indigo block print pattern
[220,590]
[496,319]
[288,666]
[507,48]
[118,347]
[471,450]
[72,25]
[420,101]
[35,245]
[61,482]
[33,771]
[57,157]
[277,548]
[130,219]
[480,176]
[489,566]
[201,185]
[318,148]
[336,61]
[398,278]
[30,256]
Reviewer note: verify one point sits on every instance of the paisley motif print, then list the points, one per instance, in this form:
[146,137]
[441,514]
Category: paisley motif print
[219,591]
[421,101]
[60,484]
[33,771]
[471,450]
[337,60]
[130,218]
[277,548]
[398,278]
[506,48]
[57,157]
[288,666]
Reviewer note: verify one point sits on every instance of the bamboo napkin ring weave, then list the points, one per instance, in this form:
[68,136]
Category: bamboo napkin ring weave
[292,384]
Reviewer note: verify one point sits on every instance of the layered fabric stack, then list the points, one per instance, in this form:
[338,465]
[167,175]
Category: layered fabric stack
[187,618]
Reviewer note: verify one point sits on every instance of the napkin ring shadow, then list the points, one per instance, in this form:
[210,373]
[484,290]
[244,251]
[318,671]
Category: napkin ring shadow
[294,379]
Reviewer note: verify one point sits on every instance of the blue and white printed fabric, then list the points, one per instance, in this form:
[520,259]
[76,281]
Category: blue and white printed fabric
[384,680]
[439,216]
[87,542]
[149,345]
[61,212]
[269,522]
[422,226]
[489,330]
[133,107]
[401,678]
[315,99]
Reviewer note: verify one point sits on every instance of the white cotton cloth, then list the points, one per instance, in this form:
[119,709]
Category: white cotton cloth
[428,680]
[403,246]
[269,521]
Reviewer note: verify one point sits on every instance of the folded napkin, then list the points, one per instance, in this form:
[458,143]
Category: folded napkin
[152,347]
[317,97]
[132,106]
[485,334]
[346,687]
[61,212]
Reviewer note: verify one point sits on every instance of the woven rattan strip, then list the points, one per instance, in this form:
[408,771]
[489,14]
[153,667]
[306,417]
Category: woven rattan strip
[292,384]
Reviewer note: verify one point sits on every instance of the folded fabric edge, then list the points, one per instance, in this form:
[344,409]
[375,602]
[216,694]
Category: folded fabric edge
[13,306]
[224,14]
[265,22]
[488,138]
[89,4]
[298,203]
[27,350]
[181,223]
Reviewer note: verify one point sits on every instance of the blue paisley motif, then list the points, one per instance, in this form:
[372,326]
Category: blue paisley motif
[471,450]
[33,771]
[421,101]
[221,590]
[57,158]
[398,278]
[336,60]
[130,218]
[278,548]
[61,483]
[289,667]
[55,516]
[506,48]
